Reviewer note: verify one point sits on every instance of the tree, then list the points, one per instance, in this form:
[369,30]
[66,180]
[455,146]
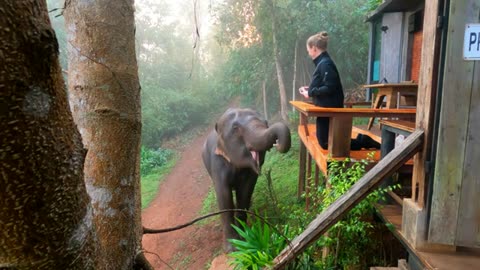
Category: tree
[276,54]
[45,213]
[104,95]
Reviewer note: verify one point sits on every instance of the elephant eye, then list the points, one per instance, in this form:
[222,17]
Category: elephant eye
[235,127]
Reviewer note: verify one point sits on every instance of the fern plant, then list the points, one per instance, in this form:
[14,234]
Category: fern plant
[259,246]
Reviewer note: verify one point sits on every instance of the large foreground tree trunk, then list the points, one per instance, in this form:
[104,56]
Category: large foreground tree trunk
[45,213]
[105,101]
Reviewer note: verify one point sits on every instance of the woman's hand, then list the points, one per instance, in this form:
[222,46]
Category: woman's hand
[303,91]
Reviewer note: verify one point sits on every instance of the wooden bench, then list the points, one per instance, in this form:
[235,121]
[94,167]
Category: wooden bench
[340,134]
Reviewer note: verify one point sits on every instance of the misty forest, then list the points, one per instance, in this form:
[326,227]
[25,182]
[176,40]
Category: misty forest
[97,96]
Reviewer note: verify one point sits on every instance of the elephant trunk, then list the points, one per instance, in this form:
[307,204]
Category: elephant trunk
[265,139]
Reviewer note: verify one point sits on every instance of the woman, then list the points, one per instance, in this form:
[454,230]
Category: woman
[326,90]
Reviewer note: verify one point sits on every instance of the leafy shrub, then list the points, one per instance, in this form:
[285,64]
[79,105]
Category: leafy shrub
[259,246]
[151,159]
[349,239]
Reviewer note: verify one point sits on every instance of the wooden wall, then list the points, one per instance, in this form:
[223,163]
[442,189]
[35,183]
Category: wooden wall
[455,212]
[392,42]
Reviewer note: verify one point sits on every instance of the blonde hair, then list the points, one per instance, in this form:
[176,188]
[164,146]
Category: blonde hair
[319,40]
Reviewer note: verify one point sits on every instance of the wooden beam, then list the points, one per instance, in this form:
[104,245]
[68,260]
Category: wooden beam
[427,88]
[355,194]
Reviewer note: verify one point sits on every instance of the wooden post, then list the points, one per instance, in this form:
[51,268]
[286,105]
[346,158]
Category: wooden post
[388,144]
[303,157]
[339,136]
[308,182]
[427,87]
[301,170]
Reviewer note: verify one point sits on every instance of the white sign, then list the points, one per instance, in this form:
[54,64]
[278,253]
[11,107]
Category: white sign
[471,42]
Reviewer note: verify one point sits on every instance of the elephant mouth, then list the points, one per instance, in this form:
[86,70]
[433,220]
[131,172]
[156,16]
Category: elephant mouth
[256,158]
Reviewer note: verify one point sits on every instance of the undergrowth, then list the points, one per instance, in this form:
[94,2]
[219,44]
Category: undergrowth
[349,243]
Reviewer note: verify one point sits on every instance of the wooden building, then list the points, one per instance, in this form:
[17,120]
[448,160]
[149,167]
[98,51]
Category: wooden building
[439,221]
[424,41]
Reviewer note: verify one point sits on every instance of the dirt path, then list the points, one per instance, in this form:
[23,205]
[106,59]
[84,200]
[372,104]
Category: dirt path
[178,201]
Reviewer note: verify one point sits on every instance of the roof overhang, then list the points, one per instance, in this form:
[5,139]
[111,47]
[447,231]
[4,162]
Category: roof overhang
[394,6]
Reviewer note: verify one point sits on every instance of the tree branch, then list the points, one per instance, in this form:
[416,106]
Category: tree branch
[154,231]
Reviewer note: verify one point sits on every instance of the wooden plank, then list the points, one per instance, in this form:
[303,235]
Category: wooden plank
[339,136]
[310,110]
[375,132]
[468,230]
[427,89]
[400,124]
[356,193]
[399,85]
[453,127]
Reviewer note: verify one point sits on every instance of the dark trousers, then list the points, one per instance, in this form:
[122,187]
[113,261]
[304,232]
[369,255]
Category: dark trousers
[322,135]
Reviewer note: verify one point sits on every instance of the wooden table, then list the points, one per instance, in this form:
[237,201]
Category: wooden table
[391,91]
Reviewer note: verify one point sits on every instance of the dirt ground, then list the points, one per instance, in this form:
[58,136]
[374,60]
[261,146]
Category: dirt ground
[179,201]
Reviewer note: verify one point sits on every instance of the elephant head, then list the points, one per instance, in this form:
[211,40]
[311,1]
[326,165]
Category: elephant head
[244,137]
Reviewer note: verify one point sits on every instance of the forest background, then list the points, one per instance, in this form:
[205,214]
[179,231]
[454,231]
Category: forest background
[194,56]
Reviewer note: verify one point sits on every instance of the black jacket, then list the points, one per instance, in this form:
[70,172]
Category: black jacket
[326,88]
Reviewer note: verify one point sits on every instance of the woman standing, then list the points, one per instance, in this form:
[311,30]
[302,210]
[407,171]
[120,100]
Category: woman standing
[326,90]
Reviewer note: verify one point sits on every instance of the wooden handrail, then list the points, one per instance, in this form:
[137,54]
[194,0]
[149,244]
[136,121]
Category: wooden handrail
[311,110]
[386,167]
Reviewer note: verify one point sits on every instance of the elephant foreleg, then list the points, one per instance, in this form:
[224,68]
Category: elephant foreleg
[225,201]
[244,195]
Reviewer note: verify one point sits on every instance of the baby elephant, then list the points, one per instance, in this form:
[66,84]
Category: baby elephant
[233,155]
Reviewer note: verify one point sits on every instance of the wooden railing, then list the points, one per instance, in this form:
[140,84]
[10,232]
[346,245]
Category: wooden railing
[340,128]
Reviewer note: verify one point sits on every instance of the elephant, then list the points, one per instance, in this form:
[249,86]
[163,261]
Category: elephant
[233,155]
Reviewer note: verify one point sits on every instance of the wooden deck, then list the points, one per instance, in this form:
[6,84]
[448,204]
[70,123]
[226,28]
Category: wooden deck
[463,259]
[321,156]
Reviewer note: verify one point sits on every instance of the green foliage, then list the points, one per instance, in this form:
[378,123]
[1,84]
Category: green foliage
[151,159]
[154,165]
[259,245]
[178,92]
[350,240]
[151,181]
[249,64]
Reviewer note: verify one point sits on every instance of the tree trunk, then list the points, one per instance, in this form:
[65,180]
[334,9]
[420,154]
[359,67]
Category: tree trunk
[264,93]
[104,95]
[294,72]
[281,84]
[45,212]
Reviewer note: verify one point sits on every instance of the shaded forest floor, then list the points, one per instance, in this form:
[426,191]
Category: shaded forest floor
[179,200]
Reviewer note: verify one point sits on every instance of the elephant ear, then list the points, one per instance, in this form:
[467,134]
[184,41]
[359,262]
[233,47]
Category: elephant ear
[219,148]
[220,152]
